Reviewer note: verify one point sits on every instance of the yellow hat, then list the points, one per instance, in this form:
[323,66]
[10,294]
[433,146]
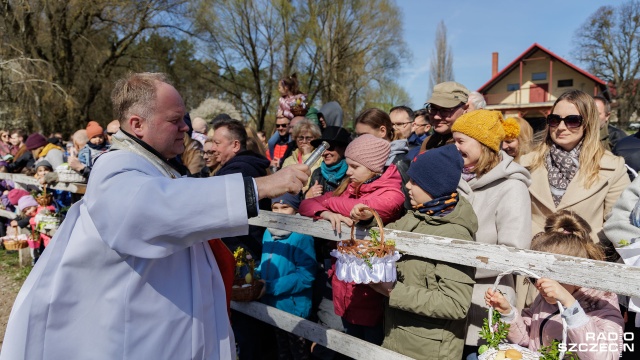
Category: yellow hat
[482,125]
[511,128]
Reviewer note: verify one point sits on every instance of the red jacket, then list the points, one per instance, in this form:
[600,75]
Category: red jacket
[360,304]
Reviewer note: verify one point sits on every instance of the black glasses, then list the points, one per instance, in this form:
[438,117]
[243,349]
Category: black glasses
[282,125]
[444,112]
[110,133]
[570,121]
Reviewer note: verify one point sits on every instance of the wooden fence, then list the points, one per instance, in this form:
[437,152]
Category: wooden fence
[618,278]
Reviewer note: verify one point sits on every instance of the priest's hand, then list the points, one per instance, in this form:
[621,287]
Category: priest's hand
[290,179]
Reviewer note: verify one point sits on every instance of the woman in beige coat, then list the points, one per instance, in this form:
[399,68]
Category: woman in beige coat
[571,170]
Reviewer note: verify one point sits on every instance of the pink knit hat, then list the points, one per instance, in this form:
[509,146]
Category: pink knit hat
[26,201]
[370,151]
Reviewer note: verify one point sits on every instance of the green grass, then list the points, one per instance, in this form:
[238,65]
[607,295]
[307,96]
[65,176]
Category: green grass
[9,265]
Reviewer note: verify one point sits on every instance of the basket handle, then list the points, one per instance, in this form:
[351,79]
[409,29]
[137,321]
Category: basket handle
[534,275]
[378,220]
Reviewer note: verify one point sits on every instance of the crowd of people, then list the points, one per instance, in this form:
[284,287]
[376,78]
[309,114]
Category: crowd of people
[452,169]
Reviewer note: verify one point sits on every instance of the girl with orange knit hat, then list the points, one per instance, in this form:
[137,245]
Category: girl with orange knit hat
[497,188]
[96,146]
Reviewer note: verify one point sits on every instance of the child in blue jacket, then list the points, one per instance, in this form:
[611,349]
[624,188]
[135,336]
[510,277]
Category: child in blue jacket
[287,269]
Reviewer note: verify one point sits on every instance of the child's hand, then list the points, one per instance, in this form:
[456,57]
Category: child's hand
[14,223]
[552,289]
[496,300]
[315,190]
[383,288]
[335,220]
[360,213]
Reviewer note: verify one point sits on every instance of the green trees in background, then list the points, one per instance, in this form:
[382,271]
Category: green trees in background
[58,59]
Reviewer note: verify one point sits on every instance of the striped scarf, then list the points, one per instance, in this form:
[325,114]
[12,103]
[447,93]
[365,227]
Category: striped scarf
[439,206]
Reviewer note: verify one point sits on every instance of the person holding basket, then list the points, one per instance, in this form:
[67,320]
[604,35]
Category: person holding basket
[593,320]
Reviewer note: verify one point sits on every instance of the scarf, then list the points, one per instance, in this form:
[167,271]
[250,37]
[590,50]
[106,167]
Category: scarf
[468,173]
[278,234]
[439,206]
[334,173]
[48,148]
[100,147]
[562,167]
[123,141]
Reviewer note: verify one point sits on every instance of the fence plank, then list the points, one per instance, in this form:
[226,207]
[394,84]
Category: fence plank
[332,339]
[31,183]
[618,278]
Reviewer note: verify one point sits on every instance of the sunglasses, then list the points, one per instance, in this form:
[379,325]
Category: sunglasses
[570,121]
[282,125]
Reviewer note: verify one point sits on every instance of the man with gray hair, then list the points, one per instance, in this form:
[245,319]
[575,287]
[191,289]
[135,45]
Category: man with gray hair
[129,274]
[476,101]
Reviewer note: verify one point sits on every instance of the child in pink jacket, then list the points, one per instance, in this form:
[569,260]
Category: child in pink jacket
[360,307]
[594,322]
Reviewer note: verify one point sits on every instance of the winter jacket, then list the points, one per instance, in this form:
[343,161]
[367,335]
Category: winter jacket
[278,146]
[297,158]
[253,165]
[629,149]
[53,154]
[288,267]
[594,314]
[360,304]
[501,201]
[87,155]
[427,310]
[622,233]
[332,113]
[610,135]
[592,204]
[326,185]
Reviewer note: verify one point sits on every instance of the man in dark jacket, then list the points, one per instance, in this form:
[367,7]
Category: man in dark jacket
[609,134]
[629,149]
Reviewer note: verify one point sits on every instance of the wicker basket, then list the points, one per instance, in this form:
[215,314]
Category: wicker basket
[363,261]
[527,354]
[15,244]
[243,293]
[67,175]
[44,199]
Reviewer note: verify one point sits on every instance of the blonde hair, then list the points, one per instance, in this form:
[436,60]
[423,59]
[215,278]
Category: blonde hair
[566,233]
[487,161]
[525,137]
[305,125]
[592,150]
[253,143]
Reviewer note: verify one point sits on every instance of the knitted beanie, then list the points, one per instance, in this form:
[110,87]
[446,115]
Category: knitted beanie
[438,170]
[482,125]
[511,128]
[369,151]
[35,141]
[94,129]
[26,201]
[287,199]
[44,163]
[15,194]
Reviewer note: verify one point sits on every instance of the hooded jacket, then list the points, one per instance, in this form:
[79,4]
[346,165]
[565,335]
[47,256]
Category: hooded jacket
[426,314]
[288,267]
[360,304]
[501,201]
[595,314]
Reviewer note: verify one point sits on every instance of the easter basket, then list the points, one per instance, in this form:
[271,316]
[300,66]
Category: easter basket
[245,286]
[68,175]
[366,261]
[16,241]
[505,349]
[44,199]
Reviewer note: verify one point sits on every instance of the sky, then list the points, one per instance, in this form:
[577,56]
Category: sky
[476,29]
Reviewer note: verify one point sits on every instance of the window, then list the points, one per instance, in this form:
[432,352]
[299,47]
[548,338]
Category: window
[513,87]
[565,83]
[539,76]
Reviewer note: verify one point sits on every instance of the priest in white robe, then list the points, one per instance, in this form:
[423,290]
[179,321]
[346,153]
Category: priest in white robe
[129,274]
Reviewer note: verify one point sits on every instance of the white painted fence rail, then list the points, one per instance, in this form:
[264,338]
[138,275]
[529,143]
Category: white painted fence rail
[29,183]
[618,278]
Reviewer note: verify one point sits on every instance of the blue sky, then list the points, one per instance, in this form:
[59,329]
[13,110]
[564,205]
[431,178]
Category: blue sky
[475,29]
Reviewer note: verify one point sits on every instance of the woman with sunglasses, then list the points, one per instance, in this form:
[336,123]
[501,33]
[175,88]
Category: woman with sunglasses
[571,170]
[303,133]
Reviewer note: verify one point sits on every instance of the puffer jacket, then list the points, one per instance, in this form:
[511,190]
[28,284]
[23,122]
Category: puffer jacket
[288,267]
[595,314]
[426,314]
[501,201]
[360,304]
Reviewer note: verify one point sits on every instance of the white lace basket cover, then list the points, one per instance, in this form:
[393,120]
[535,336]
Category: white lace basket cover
[354,262]
[527,354]
[68,175]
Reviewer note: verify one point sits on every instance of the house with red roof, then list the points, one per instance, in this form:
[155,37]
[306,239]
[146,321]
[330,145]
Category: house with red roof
[530,84]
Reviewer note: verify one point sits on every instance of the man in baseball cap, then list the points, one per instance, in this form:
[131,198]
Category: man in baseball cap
[448,101]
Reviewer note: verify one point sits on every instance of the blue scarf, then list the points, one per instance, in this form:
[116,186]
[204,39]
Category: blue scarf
[334,173]
[439,206]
